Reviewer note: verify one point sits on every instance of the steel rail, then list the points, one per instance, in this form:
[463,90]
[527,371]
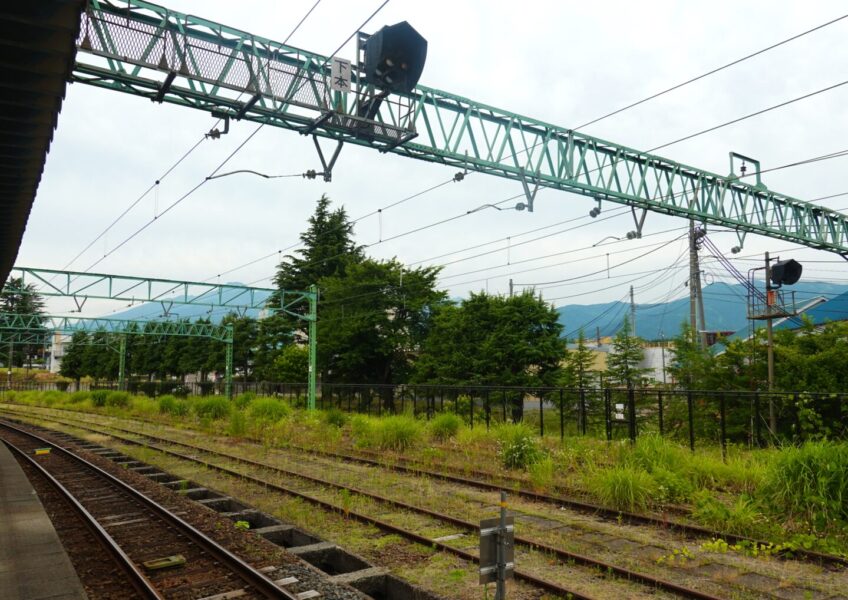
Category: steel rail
[629,517]
[138,580]
[563,555]
[261,583]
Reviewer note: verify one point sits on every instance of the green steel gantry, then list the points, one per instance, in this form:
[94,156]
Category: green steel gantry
[166,292]
[17,329]
[150,51]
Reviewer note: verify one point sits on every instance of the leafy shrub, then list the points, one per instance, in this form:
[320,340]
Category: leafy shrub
[118,399]
[363,431]
[335,417]
[445,426]
[269,409]
[542,473]
[671,486]
[397,432]
[242,401]
[624,488]
[742,517]
[810,483]
[51,397]
[78,397]
[170,405]
[98,398]
[180,391]
[518,447]
[214,407]
[238,425]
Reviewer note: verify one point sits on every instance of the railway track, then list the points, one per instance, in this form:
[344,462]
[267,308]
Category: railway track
[408,466]
[531,545]
[143,536]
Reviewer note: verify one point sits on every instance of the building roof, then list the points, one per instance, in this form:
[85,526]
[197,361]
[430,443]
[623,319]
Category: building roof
[37,52]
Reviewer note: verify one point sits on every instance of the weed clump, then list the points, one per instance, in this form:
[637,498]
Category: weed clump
[335,417]
[445,426]
[98,398]
[78,397]
[397,432]
[742,517]
[238,424]
[810,483]
[622,487]
[118,399]
[518,447]
[269,409]
[242,401]
[170,405]
[212,408]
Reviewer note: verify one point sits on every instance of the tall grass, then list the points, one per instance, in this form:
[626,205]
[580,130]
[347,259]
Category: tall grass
[445,426]
[212,408]
[518,446]
[398,432]
[623,487]
[810,483]
[268,409]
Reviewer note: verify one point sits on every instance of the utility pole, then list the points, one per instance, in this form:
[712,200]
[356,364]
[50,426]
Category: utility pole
[598,335]
[696,297]
[633,311]
[510,287]
[770,294]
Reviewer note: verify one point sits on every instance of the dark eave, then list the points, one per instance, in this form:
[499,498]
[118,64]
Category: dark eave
[37,53]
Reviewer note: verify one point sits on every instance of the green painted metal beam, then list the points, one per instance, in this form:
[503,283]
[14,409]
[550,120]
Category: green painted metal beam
[147,50]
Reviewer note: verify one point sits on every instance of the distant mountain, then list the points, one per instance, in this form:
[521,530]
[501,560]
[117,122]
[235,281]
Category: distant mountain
[725,309]
[151,311]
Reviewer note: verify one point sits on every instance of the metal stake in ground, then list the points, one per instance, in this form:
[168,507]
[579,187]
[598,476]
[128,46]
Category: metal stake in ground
[497,550]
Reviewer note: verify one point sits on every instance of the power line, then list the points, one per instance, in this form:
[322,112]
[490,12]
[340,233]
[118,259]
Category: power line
[711,72]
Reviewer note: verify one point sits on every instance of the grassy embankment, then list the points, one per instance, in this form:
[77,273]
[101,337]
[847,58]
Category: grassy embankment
[795,496]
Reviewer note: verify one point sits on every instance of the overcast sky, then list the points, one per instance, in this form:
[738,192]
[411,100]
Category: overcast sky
[562,62]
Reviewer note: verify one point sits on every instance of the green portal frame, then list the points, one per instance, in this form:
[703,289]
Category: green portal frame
[167,292]
[150,51]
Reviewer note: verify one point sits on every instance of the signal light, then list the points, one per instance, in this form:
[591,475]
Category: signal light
[786,272]
[394,58]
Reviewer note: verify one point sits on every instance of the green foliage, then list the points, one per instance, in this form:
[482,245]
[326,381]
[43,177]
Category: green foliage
[98,398]
[242,401]
[623,361]
[542,473]
[398,432]
[518,446]
[362,430]
[238,424]
[21,299]
[578,365]
[742,517]
[269,409]
[77,397]
[445,426]
[810,483]
[623,487]
[291,365]
[214,407]
[170,405]
[118,399]
[335,417]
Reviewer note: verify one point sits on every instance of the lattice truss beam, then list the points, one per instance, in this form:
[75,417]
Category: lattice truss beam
[150,51]
[46,325]
[166,292]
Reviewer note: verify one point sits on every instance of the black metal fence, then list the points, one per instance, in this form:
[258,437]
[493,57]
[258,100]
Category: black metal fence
[690,416]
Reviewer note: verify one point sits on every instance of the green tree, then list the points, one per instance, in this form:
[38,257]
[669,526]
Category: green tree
[623,361]
[328,249]
[494,340]
[291,365]
[19,299]
[72,360]
[691,366]
[578,364]
[373,319]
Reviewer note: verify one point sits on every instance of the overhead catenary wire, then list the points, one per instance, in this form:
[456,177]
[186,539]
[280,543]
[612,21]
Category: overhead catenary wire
[169,170]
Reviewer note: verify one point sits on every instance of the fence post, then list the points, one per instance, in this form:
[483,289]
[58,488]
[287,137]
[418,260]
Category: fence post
[608,416]
[757,433]
[561,418]
[582,415]
[488,410]
[660,412]
[689,407]
[503,399]
[723,426]
[795,399]
[631,399]
[471,409]
[541,414]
